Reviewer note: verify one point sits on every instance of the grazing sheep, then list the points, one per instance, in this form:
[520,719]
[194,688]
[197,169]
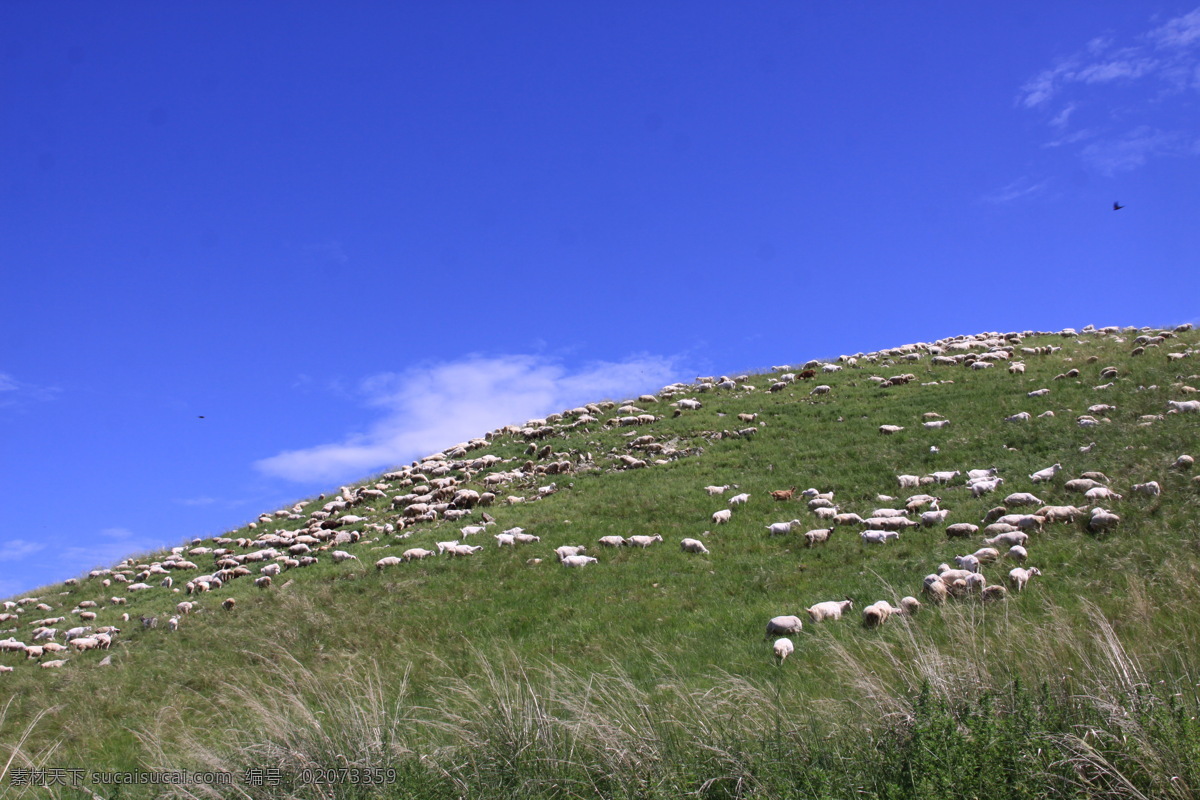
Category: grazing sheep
[464,549]
[1184,406]
[781,528]
[909,481]
[173,624]
[715,490]
[986,555]
[503,539]
[1019,576]
[1102,520]
[1101,493]
[1022,499]
[263,582]
[969,563]
[931,518]
[982,487]
[569,550]
[888,430]
[1008,539]
[415,553]
[1046,474]
[643,541]
[388,561]
[1060,513]
[228,603]
[830,609]
[693,546]
[784,626]
[1017,553]
[878,613]
[1151,489]
[878,536]
[910,605]
[961,530]
[936,591]
[722,516]
[1081,485]
[52,664]
[1183,462]
[822,389]
[783,648]
[817,536]
[577,561]
[612,541]
[739,499]
[991,594]
[1019,417]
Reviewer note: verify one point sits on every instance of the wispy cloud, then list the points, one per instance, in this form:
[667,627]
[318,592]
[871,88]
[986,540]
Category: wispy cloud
[431,407]
[1132,149]
[14,392]
[17,549]
[1022,187]
[1121,96]
[106,548]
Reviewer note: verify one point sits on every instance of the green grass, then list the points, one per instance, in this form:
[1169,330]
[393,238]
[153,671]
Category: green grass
[647,674]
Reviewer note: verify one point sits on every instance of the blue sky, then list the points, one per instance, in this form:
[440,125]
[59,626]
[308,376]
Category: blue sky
[350,236]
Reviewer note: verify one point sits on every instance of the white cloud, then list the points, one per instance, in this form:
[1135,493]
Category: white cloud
[1177,33]
[1021,187]
[17,549]
[427,408]
[109,546]
[1112,83]
[1134,148]
[7,384]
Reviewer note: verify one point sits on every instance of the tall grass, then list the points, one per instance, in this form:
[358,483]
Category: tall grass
[918,716]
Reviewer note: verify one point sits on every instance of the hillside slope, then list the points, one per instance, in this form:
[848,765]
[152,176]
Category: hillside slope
[503,673]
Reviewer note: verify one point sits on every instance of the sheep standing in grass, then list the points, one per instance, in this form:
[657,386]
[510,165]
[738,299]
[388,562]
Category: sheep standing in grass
[1102,520]
[830,609]
[722,516]
[1043,475]
[739,499]
[818,536]
[1019,576]
[878,613]
[643,541]
[784,626]
[612,541]
[693,546]
[577,561]
[781,528]
[783,648]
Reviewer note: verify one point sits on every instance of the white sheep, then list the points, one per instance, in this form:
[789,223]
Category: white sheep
[388,561]
[503,539]
[784,626]
[1019,576]
[1184,406]
[931,518]
[1020,416]
[878,612]
[1008,539]
[781,528]
[577,561]
[464,550]
[722,516]
[569,550]
[739,499]
[878,536]
[1101,493]
[909,481]
[339,556]
[715,490]
[416,553]
[1018,553]
[1151,489]
[783,648]
[817,536]
[888,430]
[643,541]
[822,389]
[612,541]
[985,486]
[969,563]
[1022,499]
[1183,462]
[1043,475]
[945,476]
[830,609]
[1102,520]
[961,530]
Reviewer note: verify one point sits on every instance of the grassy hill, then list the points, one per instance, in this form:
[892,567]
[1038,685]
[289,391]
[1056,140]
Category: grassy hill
[647,674]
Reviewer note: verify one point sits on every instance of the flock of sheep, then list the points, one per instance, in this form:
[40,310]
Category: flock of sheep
[437,491]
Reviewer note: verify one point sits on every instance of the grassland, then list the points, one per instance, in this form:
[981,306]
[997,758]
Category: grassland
[647,675]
